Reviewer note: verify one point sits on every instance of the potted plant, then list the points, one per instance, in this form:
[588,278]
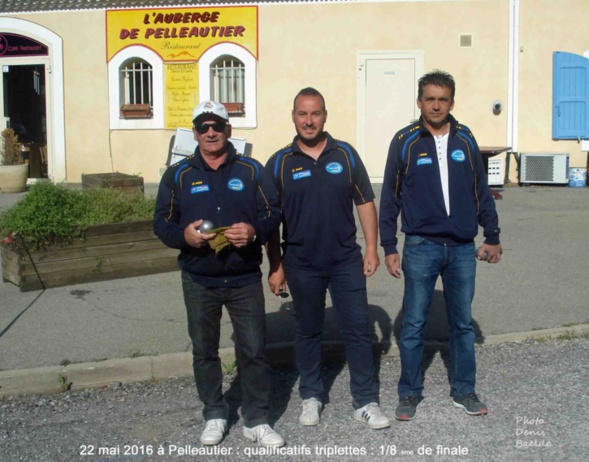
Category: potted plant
[13,170]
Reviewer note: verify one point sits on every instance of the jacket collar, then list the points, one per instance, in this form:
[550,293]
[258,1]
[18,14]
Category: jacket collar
[425,131]
[198,162]
[331,144]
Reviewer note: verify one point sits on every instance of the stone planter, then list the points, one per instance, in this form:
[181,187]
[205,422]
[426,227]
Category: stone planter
[13,178]
[120,181]
[107,252]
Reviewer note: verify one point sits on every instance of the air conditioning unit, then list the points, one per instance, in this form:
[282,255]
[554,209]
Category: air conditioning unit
[544,168]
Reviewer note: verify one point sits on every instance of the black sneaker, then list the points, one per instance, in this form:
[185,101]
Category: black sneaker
[471,404]
[407,407]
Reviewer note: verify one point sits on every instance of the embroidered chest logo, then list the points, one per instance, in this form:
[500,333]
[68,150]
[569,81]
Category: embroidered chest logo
[458,155]
[199,189]
[335,168]
[299,175]
[235,184]
[424,161]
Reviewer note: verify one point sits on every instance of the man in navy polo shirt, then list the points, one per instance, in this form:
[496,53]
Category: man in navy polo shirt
[435,177]
[232,191]
[319,179]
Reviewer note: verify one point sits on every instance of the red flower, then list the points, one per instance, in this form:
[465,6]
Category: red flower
[8,239]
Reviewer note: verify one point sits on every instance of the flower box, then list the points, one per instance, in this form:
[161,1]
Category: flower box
[235,109]
[136,111]
[106,252]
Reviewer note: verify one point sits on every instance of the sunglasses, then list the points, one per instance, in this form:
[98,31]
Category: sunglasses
[203,128]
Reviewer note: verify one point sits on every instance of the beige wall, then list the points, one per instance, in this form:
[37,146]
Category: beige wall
[317,45]
[547,26]
[85,89]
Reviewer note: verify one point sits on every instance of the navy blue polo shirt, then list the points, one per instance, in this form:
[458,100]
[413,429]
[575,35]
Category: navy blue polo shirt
[317,197]
[240,190]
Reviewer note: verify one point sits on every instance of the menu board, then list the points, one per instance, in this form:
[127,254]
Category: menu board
[181,94]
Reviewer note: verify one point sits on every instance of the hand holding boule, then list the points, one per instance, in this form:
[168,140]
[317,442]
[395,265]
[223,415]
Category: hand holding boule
[205,227]
[483,257]
[194,237]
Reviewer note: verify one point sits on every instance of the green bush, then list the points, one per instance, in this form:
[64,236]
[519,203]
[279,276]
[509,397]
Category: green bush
[55,214]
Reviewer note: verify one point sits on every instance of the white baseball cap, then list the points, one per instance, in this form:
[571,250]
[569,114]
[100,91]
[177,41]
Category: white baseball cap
[210,108]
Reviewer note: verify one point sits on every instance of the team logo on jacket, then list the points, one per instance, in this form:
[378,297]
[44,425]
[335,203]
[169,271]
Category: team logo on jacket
[299,175]
[424,161]
[199,189]
[235,184]
[334,168]
[458,155]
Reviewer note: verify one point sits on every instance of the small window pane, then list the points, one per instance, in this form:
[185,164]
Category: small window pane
[228,80]
[136,80]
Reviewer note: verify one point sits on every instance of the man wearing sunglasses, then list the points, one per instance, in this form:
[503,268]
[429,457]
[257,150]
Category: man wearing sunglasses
[222,266]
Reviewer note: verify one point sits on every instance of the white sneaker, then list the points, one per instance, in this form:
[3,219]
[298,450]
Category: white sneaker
[310,415]
[265,435]
[372,416]
[213,432]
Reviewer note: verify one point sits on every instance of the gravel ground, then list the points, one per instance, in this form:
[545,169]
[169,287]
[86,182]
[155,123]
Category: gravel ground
[536,392]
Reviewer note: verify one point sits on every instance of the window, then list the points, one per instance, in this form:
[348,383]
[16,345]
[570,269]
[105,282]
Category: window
[228,84]
[227,74]
[136,89]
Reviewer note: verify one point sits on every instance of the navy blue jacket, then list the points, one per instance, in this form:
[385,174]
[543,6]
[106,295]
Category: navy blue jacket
[319,230]
[412,184]
[240,190]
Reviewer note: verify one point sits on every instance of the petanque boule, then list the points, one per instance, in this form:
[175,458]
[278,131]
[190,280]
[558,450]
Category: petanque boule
[484,256]
[205,226]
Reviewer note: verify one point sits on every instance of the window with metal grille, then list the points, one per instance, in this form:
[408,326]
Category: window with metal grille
[228,84]
[136,89]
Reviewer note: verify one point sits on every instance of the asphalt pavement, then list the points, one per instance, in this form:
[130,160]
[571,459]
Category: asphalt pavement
[134,330]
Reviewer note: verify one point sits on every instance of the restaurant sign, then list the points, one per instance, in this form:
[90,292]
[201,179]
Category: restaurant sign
[13,45]
[182,34]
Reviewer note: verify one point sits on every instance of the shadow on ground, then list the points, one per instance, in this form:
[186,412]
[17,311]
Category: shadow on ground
[280,328]
[436,333]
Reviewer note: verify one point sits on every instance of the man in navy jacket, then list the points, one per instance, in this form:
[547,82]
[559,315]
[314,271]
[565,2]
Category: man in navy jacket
[320,179]
[435,178]
[233,192]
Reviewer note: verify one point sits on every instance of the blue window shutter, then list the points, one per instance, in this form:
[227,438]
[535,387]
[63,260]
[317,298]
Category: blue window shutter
[570,96]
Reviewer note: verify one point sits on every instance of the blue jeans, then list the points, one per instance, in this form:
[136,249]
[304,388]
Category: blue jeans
[245,306]
[423,261]
[347,287]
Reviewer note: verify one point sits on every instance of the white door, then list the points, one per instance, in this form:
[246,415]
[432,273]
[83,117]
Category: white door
[387,90]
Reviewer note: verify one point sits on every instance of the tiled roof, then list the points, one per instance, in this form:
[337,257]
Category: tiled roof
[26,6]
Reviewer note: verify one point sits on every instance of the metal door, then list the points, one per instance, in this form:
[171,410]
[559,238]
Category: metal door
[387,90]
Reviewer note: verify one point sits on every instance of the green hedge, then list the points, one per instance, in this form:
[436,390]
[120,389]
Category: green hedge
[55,214]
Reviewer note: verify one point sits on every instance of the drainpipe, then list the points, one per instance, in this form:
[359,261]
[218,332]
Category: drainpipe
[512,86]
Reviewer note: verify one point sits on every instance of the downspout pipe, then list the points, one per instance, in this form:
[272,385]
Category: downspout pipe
[513,79]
